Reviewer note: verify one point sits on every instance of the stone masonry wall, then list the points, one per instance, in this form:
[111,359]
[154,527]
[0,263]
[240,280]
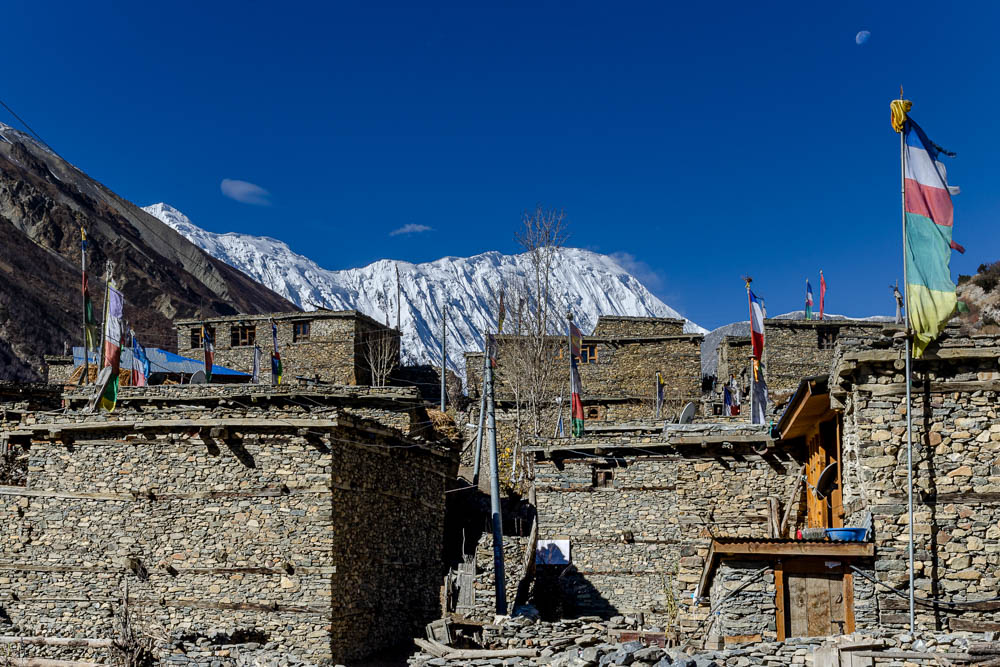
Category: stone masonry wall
[793,350]
[751,611]
[956,456]
[335,350]
[639,546]
[267,518]
[618,327]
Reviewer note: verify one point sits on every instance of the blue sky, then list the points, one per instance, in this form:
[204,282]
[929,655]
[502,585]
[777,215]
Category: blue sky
[701,141]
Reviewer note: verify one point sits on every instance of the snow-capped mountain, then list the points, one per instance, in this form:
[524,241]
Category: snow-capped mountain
[585,282]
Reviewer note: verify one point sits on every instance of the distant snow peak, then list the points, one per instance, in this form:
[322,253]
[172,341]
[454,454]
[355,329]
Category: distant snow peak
[584,282]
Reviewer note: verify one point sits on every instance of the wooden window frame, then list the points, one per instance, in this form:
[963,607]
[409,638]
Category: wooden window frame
[603,478]
[588,353]
[826,338]
[242,335]
[197,340]
[297,331]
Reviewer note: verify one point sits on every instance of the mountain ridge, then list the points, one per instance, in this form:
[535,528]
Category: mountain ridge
[588,283]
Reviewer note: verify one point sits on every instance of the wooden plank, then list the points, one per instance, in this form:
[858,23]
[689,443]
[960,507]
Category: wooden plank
[796,548]
[779,598]
[899,388]
[818,606]
[798,606]
[196,495]
[969,625]
[791,501]
[910,655]
[57,641]
[848,585]
[773,522]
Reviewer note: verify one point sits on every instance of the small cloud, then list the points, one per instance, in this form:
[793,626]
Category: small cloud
[642,271]
[411,228]
[862,37]
[246,192]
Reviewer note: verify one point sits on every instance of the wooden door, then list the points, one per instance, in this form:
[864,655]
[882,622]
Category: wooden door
[814,599]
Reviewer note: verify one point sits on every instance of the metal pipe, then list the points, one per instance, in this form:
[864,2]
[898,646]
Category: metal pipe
[491,427]
[482,418]
[909,419]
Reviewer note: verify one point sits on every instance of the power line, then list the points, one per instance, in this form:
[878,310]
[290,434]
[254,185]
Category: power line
[23,122]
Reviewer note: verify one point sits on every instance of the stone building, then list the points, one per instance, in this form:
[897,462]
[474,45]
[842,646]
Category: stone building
[794,349]
[618,367]
[956,437]
[338,347]
[637,507]
[308,518]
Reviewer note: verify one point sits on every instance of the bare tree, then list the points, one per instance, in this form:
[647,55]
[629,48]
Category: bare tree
[529,352]
[381,353]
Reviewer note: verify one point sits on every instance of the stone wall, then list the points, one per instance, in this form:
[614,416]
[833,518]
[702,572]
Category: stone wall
[744,610]
[956,440]
[639,543]
[612,326]
[336,349]
[250,513]
[797,349]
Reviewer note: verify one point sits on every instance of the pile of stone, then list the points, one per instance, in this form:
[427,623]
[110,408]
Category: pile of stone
[590,642]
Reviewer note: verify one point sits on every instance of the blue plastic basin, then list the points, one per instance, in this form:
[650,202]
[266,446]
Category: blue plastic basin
[847,534]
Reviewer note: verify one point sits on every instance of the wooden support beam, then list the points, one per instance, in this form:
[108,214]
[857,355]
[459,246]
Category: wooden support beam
[57,641]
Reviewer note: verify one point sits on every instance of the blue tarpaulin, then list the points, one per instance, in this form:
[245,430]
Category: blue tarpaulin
[160,361]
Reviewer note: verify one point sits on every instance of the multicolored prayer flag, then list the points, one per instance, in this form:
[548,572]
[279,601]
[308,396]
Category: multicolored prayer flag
[759,414]
[756,324]
[575,341]
[140,363]
[809,300]
[112,346]
[822,294]
[209,344]
[576,388]
[90,324]
[275,356]
[929,215]
[659,394]
[255,378]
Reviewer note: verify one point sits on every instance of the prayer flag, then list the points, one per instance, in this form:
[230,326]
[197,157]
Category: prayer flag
[140,363]
[275,356]
[90,324]
[822,294]
[256,365]
[929,215]
[756,324]
[759,415]
[659,394]
[809,300]
[502,314]
[112,346]
[575,341]
[576,388]
[209,345]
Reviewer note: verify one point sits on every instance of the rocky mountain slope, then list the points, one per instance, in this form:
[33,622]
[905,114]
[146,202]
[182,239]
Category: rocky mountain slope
[44,200]
[587,283]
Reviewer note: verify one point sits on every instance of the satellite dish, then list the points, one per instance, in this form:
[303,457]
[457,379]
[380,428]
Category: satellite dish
[687,414]
[198,378]
[826,482]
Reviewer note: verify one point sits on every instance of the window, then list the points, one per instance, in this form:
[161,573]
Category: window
[593,412]
[604,478]
[826,338]
[196,339]
[242,334]
[588,354]
[301,330]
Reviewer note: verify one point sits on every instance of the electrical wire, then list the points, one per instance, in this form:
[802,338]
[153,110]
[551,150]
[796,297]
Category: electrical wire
[926,602]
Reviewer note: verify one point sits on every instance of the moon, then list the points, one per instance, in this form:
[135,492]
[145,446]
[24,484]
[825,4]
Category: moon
[862,37]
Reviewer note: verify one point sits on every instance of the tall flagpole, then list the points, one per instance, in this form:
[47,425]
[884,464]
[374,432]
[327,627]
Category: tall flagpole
[569,350]
[85,378]
[909,420]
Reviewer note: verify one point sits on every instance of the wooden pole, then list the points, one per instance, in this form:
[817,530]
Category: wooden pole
[491,428]
[444,350]
[397,300]
[85,378]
